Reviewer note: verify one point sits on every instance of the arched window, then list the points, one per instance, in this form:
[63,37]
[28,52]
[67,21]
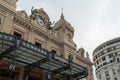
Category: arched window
[38,44]
[18,35]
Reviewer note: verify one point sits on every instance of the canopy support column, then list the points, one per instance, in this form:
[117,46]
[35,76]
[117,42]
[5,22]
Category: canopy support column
[30,67]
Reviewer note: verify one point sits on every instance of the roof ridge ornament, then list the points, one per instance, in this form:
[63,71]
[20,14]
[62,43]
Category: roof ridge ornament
[62,16]
[33,13]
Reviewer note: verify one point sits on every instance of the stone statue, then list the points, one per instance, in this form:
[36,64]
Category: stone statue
[49,23]
[33,13]
[70,58]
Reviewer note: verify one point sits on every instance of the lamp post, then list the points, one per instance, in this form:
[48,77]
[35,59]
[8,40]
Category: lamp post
[11,67]
[49,75]
[12,64]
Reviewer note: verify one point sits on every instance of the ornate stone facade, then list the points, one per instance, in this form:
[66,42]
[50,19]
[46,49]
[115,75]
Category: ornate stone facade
[58,38]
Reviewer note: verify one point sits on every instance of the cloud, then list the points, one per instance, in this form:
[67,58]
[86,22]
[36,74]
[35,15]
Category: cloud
[19,8]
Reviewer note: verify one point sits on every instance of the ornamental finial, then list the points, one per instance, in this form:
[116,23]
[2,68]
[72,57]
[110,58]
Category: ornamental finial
[62,16]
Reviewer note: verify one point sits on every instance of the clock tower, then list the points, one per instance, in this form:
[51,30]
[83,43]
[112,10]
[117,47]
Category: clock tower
[40,16]
[66,33]
[65,30]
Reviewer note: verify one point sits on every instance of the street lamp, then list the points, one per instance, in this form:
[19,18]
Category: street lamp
[49,75]
[11,66]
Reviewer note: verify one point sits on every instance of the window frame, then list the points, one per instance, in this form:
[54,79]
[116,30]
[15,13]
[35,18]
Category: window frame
[39,43]
[19,37]
[19,32]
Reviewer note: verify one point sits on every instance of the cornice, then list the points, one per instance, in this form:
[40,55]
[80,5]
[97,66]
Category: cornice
[83,59]
[7,7]
[21,22]
[70,28]
[31,26]
[64,43]
[63,25]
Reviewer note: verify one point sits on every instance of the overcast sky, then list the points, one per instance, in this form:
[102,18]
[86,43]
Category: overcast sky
[94,21]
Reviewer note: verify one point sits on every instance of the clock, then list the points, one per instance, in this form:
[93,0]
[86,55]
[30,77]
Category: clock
[41,22]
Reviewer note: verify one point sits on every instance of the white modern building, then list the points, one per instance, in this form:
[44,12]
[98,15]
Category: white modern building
[106,59]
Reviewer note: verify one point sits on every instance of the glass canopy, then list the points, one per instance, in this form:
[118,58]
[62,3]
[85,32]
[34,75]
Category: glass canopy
[31,56]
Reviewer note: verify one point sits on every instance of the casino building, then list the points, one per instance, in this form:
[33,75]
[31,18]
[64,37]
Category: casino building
[31,48]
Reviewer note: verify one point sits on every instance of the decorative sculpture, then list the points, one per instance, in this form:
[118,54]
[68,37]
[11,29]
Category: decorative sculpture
[33,13]
[70,58]
[49,23]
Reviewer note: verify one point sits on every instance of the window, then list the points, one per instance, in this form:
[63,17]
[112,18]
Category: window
[97,62]
[118,68]
[111,61]
[103,58]
[110,55]
[17,35]
[108,78]
[38,44]
[115,53]
[113,71]
[102,52]
[54,51]
[114,48]
[115,78]
[100,76]
[107,74]
[109,49]
[104,63]
[118,60]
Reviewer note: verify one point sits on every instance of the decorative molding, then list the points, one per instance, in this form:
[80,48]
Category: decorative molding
[83,59]
[6,13]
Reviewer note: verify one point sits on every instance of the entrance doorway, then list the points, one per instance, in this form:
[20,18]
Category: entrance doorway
[34,78]
[35,75]
[4,75]
[55,78]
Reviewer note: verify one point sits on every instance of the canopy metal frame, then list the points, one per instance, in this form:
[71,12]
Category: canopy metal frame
[32,57]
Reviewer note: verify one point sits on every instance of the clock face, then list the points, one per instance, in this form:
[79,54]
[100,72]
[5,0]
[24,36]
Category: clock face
[41,22]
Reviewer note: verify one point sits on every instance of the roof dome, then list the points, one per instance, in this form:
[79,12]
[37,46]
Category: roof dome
[63,23]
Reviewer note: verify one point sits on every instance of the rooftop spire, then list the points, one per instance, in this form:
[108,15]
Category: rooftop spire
[61,10]
[62,16]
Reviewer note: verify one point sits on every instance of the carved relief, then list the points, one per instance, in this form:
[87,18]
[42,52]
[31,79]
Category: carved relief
[23,14]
